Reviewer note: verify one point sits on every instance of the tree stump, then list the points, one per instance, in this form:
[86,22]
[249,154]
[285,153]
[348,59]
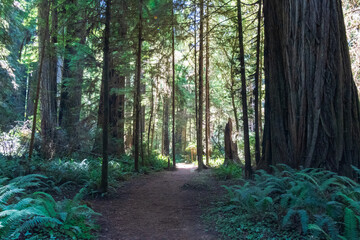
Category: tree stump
[231,151]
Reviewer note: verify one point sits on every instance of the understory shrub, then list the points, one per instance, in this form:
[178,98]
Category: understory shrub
[291,204]
[226,172]
[29,214]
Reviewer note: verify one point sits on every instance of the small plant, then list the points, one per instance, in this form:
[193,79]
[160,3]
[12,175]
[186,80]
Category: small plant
[305,204]
[230,171]
[37,215]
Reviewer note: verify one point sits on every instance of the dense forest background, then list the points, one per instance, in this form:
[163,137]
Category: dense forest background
[70,101]
[93,91]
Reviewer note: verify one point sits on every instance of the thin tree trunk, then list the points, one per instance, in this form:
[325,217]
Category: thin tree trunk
[166,142]
[233,99]
[106,72]
[201,70]
[207,88]
[260,87]
[195,77]
[151,116]
[173,86]
[248,169]
[256,89]
[137,100]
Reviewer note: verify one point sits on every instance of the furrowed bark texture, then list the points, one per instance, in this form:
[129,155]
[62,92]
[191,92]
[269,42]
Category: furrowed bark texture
[312,105]
[48,85]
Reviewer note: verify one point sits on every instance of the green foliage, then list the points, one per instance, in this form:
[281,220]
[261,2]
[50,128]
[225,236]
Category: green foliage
[37,215]
[310,203]
[230,171]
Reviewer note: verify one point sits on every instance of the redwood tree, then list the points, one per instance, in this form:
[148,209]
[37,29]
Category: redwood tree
[312,105]
[248,169]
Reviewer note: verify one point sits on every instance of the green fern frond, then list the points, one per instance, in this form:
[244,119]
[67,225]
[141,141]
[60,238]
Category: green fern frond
[37,221]
[316,228]
[351,225]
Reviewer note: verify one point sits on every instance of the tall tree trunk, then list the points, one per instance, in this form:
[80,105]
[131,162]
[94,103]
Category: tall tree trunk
[106,72]
[71,87]
[173,86]
[48,85]
[137,100]
[117,86]
[207,88]
[195,61]
[44,13]
[116,113]
[248,169]
[256,89]
[260,85]
[312,116]
[201,70]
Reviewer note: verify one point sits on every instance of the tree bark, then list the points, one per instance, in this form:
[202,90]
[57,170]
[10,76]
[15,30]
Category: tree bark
[173,86]
[106,78]
[195,63]
[248,169]
[166,140]
[48,85]
[151,117]
[256,89]
[137,100]
[231,151]
[312,105]
[201,70]
[71,87]
[207,88]
[44,12]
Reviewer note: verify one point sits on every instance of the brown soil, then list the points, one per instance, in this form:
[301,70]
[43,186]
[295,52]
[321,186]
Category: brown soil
[164,205]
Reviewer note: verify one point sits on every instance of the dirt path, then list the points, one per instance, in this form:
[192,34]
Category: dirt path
[163,205]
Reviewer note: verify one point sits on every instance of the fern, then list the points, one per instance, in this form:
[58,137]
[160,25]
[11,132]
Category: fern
[21,212]
[320,200]
[293,214]
[350,221]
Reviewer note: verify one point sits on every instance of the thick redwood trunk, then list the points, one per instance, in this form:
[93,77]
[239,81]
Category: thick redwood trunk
[48,85]
[312,105]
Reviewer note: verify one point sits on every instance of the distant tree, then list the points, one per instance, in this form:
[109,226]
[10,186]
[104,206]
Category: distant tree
[312,115]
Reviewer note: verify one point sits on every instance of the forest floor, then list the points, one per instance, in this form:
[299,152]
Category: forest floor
[162,205]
